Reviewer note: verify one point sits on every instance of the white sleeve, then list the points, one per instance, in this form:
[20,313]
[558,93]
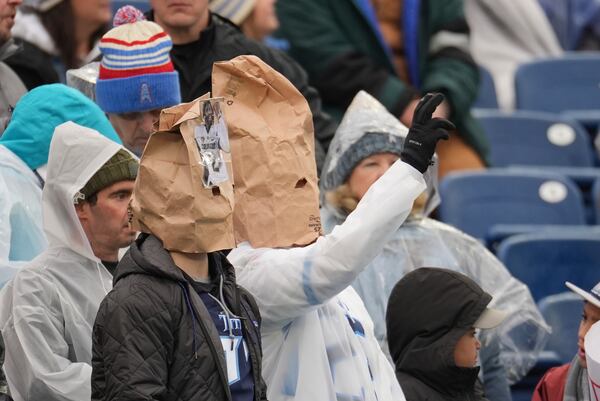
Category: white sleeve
[15,215]
[287,283]
[7,268]
[37,363]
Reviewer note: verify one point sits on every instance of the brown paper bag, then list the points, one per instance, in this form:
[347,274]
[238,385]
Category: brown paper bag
[171,198]
[272,139]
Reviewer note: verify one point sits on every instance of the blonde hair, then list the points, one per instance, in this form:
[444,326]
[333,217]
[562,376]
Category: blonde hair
[343,198]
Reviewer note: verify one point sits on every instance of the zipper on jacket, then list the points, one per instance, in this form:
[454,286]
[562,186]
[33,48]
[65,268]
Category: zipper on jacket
[214,350]
[256,369]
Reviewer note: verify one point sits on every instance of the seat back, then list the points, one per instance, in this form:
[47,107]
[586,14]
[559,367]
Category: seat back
[544,261]
[142,5]
[475,201]
[486,98]
[596,199]
[559,84]
[535,139]
[562,312]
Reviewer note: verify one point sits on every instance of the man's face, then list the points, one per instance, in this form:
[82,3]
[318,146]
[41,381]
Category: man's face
[134,129]
[106,223]
[8,9]
[179,14]
[591,314]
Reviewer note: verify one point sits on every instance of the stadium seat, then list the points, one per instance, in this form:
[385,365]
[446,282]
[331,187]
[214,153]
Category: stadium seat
[562,312]
[142,5]
[545,260]
[559,84]
[476,201]
[535,139]
[523,389]
[486,99]
[596,199]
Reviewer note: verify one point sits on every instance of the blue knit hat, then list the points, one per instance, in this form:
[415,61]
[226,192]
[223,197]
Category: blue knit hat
[40,111]
[371,143]
[136,73]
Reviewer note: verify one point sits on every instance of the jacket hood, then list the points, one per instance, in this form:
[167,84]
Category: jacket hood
[8,49]
[28,27]
[148,256]
[76,153]
[40,111]
[428,311]
[368,128]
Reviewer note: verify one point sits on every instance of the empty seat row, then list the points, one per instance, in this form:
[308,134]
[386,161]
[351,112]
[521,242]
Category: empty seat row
[478,202]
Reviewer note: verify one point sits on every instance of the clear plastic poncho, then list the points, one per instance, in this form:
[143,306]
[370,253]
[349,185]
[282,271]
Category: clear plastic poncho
[364,116]
[21,234]
[423,242]
[47,310]
[84,79]
[318,340]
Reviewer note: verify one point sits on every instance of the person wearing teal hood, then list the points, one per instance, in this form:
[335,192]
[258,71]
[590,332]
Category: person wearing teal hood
[24,149]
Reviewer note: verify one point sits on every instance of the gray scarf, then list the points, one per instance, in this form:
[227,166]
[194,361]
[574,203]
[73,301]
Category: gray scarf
[577,387]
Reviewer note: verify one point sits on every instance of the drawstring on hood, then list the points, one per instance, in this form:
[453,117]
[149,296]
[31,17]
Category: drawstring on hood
[147,256]
[228,314]
[220,301]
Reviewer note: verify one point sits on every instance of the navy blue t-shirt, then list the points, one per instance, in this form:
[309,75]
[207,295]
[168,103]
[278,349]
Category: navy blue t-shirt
[237,356]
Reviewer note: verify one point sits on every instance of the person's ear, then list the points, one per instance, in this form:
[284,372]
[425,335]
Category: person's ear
[82,210]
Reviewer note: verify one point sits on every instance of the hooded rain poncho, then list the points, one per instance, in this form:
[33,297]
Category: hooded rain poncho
[422,241]
[47,311]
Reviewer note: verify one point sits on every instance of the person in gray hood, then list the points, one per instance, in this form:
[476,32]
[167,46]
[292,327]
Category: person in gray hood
[431,319]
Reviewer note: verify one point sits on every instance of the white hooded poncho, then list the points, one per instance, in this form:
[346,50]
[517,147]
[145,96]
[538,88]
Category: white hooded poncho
[48,309]
[318,341]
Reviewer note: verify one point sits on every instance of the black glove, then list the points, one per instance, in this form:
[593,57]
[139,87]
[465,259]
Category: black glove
[425,132]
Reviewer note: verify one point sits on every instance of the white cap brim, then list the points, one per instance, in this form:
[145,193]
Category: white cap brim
[490,318]
[584,294]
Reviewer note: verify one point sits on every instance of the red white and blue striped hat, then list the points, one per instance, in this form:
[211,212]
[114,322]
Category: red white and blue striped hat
[136,73]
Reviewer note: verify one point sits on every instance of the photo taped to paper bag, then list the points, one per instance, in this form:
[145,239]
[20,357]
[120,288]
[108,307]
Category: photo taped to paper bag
[213,141]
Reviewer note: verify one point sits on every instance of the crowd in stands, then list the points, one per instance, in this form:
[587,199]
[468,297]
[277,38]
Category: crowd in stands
[239,200]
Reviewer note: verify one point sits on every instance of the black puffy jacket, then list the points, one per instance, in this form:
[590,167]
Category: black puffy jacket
[428,311]
[154,339]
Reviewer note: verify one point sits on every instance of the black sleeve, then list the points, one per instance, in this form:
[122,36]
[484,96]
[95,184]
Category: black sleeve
[324,125]
[348,73]
[132,339]
[33,66]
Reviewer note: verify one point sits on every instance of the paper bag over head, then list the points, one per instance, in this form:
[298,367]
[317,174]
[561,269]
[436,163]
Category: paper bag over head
[592,357]
[273,151]
[183,193]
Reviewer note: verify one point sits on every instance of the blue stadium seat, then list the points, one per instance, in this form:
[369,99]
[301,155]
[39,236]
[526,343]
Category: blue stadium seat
[584,177]
[535,139]
[596,199]
[475,201]
[142,5]
[545,260]
[563,313]
[486,99]
[559,84]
